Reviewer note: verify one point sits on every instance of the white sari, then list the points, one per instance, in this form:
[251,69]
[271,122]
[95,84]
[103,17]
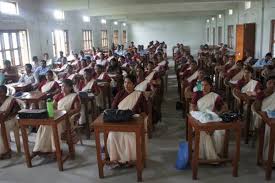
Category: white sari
[193,77]
[44,141]
[10,123]
[144,84]
[250,86]
[210,145]
[237,77]
[47,87]
[122,145]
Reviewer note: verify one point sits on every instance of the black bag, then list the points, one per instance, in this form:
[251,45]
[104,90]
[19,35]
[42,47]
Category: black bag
[116,115]
[230,116]
[33,114]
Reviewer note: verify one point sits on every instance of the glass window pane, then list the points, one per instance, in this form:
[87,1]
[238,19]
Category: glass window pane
[1,60]
[6,40]
[24,47]
[8,55]
[16,57]
[14,40]
[8,8]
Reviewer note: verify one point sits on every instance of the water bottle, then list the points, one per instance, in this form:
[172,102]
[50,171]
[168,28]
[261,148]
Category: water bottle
[50,108]
[199,86]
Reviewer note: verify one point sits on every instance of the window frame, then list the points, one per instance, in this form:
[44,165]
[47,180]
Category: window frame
[208,34]
[11,49]
[115,37]
[124,37]
[214,35]
[104,38]
[220,34]
[66,43]
[87,39]
[16,7]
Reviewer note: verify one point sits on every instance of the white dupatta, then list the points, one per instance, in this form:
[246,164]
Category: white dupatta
[88,86]
[207,102]
[250,86]
[268,103]
[150,76]
[71,77]
[101,76]
[130,101]
[193,76]
[48,86]
[237,77]
[66,102]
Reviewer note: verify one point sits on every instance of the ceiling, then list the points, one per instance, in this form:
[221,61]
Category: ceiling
[129,8]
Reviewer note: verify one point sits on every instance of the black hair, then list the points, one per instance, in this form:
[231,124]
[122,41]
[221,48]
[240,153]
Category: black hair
[101,67]
[7,62]
[132,78]
[4,88]
[88,71]
[69,83]
[28,66]
[269,54]
[34,58]
[50,72]
[270,78]
[208,80]
[248,68]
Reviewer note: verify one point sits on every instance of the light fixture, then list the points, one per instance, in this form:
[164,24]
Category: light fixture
[213,18]
[115,22]
[207,21]
[58,14]
[247,5]
[124,24]
[220,15]
[103,21]
[230,12]
[86,19]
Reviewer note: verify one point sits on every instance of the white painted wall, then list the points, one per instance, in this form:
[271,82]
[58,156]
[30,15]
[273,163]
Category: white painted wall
[171,29]
[39,23]
[261,13]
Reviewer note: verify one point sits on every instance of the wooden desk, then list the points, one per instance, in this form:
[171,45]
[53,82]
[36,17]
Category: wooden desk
[23,87]
[32,97]
[271,123]
[85,101]
[59,116]
[136,126]
[106,89]
[208,127]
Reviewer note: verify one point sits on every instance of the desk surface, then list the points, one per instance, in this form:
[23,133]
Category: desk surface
[136,121]
[33,95]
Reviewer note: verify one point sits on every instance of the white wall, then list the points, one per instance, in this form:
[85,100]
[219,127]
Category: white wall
[39,23]
[261,13]
[171,29]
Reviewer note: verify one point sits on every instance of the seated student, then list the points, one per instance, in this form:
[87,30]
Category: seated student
[10,72]
[248,58]
[265,102]
[41,71]
[100,75]
[66,100]
[230,73]
[61,60]
[265,61]
[35,64]
[48,59]
[189,72]
[28,77]
[211,144]
[122,145]
[195,84]
[84,66]
[69,73]
[140,74]
[102,61]
[89,85]
[247,86]
[269,70]
[8,108]
[49,86]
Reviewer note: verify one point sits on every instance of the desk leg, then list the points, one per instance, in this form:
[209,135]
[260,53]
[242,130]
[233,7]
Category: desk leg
[139,156]
[26,146]
[87,120]
[226,144]
[195,160]
[237,152]
[5,138]
[143,147]
[270,155]
[190,142]
[186,128]
[57,148]
[69,139]
[98,153]
[247,123]
[105,144]
[261,145]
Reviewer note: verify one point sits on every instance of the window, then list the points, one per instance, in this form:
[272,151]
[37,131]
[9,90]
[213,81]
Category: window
[219,34]
[9,8]
[214,36]
[60,42]
[230,36]
[59,15]
[115,37]
[124,37]
[230,12]
[14,47]
[272,38]
[86,19]
[104,39]
[247,5]
[207,35]
[87,39]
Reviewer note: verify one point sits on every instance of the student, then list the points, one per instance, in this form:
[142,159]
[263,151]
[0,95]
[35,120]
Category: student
[10,72]
[41,71]
[28,77]
[264,61]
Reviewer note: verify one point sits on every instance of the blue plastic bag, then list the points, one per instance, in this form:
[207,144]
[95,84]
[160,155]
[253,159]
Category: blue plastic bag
[183,157]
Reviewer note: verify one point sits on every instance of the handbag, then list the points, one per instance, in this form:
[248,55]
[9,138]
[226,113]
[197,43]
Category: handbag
[230,116]
[183,156]
[116,115]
